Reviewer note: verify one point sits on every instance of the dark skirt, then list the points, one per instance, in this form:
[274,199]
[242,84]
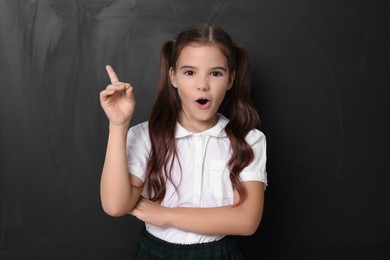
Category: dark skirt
[150,247]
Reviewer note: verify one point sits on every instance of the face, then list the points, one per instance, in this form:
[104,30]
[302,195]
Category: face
[202,79]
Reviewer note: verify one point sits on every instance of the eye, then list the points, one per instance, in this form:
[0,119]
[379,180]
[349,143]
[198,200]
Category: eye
[216,73]
[189,72]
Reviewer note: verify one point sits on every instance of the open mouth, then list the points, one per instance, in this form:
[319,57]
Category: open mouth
[202,101]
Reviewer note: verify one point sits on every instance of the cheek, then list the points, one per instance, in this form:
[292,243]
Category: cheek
[185,85]
[222,86]
[183,95]
[220,95]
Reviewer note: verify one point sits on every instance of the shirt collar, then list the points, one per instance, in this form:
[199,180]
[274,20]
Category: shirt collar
[217,131]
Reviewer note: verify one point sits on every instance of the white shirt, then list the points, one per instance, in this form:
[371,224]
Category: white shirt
[204,179]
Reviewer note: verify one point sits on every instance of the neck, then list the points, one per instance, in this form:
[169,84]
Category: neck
[196,125]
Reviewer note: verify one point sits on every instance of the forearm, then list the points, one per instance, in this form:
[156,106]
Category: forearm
[227,220]
[115,186]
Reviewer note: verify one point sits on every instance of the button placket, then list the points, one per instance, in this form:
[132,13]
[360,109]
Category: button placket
[198,165]
[197,172]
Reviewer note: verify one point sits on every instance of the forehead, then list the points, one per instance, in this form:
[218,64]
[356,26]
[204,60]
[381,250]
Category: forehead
[196,54]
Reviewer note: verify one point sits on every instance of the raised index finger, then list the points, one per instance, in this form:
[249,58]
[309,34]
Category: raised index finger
[111,73]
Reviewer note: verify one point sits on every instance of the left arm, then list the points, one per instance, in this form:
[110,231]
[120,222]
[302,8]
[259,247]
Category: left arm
[242,219]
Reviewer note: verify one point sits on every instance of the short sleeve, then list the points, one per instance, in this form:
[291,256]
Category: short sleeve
[138,149]
[256,170]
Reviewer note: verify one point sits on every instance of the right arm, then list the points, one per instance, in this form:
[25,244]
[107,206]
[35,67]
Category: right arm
[118,188]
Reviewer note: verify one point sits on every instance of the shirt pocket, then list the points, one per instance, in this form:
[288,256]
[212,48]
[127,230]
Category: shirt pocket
[220,185]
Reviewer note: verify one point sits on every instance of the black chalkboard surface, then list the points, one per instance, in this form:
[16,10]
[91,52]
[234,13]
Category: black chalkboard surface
[320,83]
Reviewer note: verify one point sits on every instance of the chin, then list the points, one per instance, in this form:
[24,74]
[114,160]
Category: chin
[208,118]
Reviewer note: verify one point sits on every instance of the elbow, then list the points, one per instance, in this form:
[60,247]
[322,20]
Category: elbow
[116,206]
[114,213]
[249,227]
[248,230]
[114,210]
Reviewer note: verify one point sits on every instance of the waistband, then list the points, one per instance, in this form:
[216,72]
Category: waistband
[225,248]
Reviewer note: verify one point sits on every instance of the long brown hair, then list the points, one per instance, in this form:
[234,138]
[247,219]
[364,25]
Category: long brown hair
[237,106]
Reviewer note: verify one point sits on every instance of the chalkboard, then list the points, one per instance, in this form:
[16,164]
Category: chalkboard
[320,84]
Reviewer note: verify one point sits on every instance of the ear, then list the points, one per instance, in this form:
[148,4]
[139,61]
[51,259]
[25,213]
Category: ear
[172,76]
[231,80]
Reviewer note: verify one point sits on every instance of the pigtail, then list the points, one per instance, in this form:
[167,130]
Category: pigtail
[243,114]
[164,66]
[162,123]
[243,118]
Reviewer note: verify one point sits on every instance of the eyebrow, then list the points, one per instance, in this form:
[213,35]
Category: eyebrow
[212,68]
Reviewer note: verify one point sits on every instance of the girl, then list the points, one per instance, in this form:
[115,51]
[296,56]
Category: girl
[202,176]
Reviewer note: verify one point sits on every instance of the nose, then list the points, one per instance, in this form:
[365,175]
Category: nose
[203,84]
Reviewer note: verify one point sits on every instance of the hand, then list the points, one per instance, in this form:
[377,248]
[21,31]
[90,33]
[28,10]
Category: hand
[117,100]
[149,212]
